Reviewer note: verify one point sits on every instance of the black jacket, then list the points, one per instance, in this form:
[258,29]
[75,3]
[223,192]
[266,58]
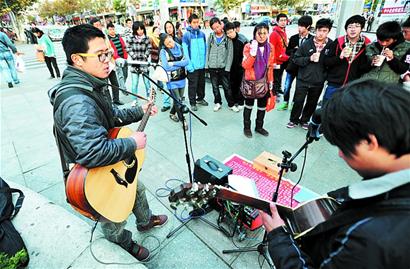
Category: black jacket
[310,73]
[238,44]
[369,230]
[340,71]
[292,47]
[86,125]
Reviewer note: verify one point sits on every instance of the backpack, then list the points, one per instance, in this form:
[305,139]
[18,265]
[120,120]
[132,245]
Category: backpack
[13,252]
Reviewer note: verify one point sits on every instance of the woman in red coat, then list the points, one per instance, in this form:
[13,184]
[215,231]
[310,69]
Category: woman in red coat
[258,61]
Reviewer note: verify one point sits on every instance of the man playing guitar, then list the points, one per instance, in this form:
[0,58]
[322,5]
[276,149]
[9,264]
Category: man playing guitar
[366,120]
[82,122]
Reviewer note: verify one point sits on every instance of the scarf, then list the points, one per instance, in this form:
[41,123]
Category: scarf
[261,62]
[320,46]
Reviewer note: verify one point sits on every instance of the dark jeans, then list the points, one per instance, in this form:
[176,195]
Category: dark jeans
[196,86]
[277,77]
[113,81]
[302,91]
[52,61]
[220,77]
[179,95]
[236,79]
[288,85]
[330,90]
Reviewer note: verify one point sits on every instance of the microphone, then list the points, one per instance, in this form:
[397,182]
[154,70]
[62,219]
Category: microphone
[313,132]
[136,62]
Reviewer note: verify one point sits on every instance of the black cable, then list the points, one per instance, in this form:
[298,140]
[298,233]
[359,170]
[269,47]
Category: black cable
[300,178]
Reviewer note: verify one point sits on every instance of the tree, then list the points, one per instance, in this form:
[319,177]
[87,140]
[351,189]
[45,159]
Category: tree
[228,5]
[59,7]
[119,6]
[281,4]
[15,6]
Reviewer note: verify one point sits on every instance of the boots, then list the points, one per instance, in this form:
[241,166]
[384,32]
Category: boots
[259,123]
[247,122]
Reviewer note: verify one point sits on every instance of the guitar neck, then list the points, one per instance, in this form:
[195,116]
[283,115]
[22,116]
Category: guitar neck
[144,119]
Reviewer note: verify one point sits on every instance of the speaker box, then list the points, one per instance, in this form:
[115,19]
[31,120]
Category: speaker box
[209,170]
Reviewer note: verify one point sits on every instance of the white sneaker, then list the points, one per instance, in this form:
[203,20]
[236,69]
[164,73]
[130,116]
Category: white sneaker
[240,108]
[234,109]
[217,107]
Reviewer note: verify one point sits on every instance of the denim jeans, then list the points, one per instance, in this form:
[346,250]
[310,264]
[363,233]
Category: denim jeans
[166,100]
[179,95]
[288,85]
[221,77]
[135,81]
[330,90]
[122,72]
[116,233]
[8,67]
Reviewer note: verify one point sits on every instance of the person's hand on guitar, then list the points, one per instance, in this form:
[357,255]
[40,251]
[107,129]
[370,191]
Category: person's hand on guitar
[154,108]
[140,139]
[272,221]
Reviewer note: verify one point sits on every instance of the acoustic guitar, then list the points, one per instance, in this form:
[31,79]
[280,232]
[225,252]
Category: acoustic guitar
[108,192]
[299,220]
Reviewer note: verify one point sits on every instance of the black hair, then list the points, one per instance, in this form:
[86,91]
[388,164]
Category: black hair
[324,23]
[237,24]
[389,29]
[367,107]
[213,21]
[305,21]
[406,23]
[154,28]
[259,26]
[281,15]
[76,39]
[356,19]
[177,25]
[37,30]
[138,25]
[229,26]
[127,20]
[110,25]
[94,20]
[192,17]
[173,27]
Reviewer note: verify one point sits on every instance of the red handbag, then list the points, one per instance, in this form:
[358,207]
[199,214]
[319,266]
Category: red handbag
[270,105]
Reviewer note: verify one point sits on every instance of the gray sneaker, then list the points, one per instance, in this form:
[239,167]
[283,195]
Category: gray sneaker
[194,108]
[202,102]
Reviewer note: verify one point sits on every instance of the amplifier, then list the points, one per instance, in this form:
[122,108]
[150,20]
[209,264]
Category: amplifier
[209,170]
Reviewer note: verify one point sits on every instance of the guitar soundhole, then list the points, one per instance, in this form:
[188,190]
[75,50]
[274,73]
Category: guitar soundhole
[132,171]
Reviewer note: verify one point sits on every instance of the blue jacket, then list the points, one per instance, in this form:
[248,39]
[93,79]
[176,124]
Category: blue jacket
[6,43]
[194,45]
[176,52]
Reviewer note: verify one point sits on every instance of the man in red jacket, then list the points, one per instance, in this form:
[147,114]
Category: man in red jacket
[120,54]
[279,40]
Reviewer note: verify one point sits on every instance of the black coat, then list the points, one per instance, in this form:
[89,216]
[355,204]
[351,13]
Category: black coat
[239,43]
[310,73]
[293,46]
[366,232]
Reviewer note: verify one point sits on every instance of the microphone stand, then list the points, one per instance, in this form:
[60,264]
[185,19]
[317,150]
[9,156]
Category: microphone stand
[286,165]
[183,109]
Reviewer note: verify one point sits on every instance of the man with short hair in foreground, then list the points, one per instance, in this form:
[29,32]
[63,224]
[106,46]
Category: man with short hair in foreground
[368,122]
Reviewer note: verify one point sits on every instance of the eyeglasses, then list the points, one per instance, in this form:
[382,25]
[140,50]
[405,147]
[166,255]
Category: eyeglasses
[102,56]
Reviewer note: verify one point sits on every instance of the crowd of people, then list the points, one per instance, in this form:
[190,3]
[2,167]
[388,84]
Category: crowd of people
[364,105]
